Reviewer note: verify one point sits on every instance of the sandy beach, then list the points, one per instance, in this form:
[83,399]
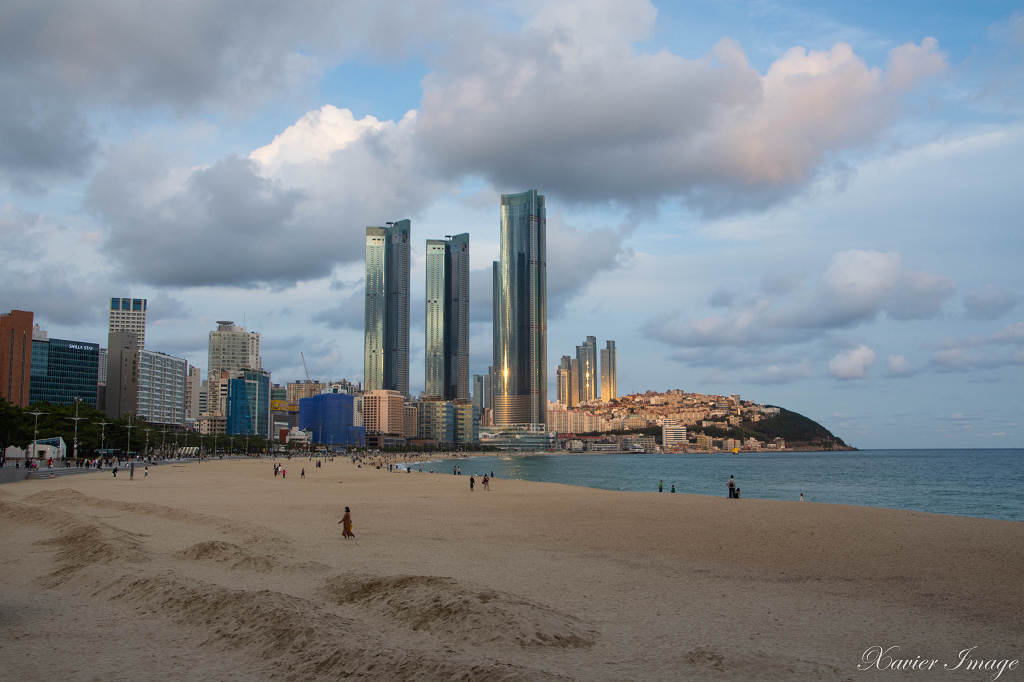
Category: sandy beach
[221,571]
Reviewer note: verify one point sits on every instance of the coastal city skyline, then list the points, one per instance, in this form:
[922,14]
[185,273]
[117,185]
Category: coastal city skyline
[817,209]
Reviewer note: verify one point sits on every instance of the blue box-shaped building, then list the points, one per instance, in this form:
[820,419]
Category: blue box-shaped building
[330,417]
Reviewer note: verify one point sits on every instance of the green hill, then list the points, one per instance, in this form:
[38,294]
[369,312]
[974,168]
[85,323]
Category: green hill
[794,428]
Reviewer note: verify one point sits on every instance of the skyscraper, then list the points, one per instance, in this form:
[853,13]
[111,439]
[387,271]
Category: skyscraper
[447,323]
[128,315]
[479,398]
[609,375]
[565,380]
[233,348]
[520,313]
[586,355]
[386,341]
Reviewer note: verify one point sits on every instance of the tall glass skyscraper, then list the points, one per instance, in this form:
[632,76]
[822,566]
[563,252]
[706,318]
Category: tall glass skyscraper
[447,323]
[609,375]
[520,313]
[586,355]
[386,346]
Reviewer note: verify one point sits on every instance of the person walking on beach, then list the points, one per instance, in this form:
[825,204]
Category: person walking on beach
[487,482]
[145,473]
[659,484]
[471,483]
[732,487]
[673,487]
[303,473]
[801,497]
[283,473]
[131,471]
[346,530]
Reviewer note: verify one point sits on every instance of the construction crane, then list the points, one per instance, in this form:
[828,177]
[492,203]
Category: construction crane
[304,367]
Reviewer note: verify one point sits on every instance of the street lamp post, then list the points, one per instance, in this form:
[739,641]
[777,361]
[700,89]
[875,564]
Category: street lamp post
[76,419]
[35,432]
[103,434]
[129,452]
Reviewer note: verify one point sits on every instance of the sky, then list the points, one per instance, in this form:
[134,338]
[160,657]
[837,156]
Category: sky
[814,205]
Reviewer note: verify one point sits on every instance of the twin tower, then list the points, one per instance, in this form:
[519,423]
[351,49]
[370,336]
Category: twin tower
[519,374]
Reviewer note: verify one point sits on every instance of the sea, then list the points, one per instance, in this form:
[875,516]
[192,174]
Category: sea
[970,482]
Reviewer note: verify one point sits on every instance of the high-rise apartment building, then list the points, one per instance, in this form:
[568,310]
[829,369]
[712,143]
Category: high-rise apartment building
[586,355]
[128,315]
[233,348]
[194,405]
[162,379]
[386,316]
[563,382]
[609,376]
[447,319]
[16,356]
[520,313]
[479,397]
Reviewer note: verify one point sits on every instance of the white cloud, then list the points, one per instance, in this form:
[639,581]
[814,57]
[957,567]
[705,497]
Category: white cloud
[990,302]
[852,364]
[856,287]
[982,352]
[898,366]
[781,374]
[568,104]
[314,137]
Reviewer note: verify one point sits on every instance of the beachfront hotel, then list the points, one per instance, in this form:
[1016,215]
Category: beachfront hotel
[520,314]
[447,319]
[386,322]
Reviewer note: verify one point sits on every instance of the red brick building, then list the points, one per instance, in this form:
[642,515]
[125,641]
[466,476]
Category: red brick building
[15,356]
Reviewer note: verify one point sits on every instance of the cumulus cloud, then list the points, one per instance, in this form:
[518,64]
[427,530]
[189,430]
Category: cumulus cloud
[576,256]
[853,364]
[990,302]
[982,352]
[781,374]
[348,314]
[55,291]
[570,105]
[898,366]
[275,218]
[61,60]
[856,288]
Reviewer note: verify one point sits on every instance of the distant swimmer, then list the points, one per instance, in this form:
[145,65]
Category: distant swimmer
[346,530]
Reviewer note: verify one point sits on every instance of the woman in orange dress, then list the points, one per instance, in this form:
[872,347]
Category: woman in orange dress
[347,528]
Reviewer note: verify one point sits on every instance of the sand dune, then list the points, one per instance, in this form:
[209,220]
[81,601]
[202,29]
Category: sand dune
[220,571]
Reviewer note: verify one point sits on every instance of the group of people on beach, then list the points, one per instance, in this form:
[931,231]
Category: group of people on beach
[485,482]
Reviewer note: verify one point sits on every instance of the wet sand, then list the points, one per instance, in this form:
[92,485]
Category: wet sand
[220,571]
